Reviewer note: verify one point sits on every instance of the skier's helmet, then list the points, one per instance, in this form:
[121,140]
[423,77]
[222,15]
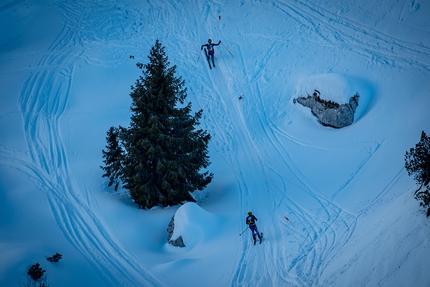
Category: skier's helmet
[209,41]
[249,212]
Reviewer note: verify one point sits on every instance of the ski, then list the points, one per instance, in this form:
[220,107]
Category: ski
[261,238]
[207,57]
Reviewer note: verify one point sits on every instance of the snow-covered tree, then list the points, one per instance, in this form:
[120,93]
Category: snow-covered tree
[417,163]
[159,158]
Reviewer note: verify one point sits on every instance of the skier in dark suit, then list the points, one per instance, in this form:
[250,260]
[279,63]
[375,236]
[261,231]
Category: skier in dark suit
[250,220]
[210,51]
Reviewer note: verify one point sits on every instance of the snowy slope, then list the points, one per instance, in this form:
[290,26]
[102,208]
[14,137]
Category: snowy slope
[66,73]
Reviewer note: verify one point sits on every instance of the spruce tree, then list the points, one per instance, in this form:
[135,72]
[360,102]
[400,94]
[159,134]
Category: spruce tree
[160,156]
[417,163]
[113,158]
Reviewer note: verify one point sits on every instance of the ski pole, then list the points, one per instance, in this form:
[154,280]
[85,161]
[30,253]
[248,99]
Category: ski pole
[289,220]
[244,231]
[199,56]
[227,49]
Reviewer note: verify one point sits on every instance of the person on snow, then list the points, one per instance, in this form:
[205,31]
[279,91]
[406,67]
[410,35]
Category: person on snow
[210,50]
[250,220]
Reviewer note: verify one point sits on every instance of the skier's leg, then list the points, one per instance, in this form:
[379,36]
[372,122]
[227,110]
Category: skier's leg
[254,235]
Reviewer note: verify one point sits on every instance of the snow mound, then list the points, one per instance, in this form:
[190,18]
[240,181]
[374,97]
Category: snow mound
[195,224]
[333,87]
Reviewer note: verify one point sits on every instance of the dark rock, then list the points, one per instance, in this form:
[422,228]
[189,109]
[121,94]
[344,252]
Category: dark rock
[330,113]
[179,242]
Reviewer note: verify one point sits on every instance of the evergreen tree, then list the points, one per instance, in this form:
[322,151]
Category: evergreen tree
[159,157]
[417,163]
[113,158]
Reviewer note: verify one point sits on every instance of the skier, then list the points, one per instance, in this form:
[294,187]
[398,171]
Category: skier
[210,52]
[250,220]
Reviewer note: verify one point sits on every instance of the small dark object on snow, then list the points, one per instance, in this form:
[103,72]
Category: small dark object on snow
[240,97]
[55,258]
[131,57]
[178,242]
[36,272]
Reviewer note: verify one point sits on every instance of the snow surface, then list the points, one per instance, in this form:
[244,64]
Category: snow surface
[66,73]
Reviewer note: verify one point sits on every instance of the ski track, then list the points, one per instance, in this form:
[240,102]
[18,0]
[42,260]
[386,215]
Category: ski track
[360,39]
[290,256]
[43,100]
[279,269]
[251,155]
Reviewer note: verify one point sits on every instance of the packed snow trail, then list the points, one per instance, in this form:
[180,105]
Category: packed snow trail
[337,31]
[277,263]
[43,99]
[290,256]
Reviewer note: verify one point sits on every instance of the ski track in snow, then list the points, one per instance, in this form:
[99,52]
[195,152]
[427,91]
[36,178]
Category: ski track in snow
[289,256]
[319,235]
[319,239]
[356,37]
[43,99]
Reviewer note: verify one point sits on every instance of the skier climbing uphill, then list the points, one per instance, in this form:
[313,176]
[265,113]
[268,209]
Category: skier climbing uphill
[250,220]
[210,51]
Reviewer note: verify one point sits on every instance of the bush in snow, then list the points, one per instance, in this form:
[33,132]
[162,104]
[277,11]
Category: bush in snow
[36,272]
[159,157]
[417,163]
[55,258]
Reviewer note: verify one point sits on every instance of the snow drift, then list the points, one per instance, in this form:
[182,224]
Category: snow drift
[195,225]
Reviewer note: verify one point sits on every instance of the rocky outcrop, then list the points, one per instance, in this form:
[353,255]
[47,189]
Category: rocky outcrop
[330,113]
[179,242]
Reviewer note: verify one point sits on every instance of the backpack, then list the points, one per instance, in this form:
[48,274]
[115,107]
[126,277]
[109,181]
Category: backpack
[250,220]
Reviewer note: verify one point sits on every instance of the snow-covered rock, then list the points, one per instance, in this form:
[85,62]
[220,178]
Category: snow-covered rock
[329,98]
[331,113]
[191,224]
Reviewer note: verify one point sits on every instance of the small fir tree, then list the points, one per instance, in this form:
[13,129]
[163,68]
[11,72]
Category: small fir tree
[160,156]
[36,272]
[417,163]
